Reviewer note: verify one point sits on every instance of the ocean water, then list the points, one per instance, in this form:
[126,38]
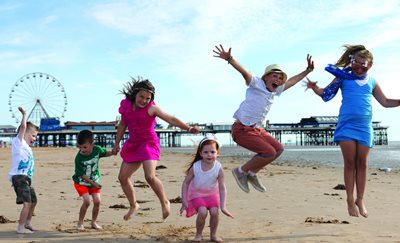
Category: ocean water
[387,156]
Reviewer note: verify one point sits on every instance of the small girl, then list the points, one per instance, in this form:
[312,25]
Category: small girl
[138,114]
[354,131]
[204,189]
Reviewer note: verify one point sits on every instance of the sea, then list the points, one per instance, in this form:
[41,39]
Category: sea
[380,157]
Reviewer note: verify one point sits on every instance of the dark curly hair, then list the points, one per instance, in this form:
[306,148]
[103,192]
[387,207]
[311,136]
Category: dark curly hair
[132,88]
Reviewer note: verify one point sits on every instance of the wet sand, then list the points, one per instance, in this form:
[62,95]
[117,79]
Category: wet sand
[300,204]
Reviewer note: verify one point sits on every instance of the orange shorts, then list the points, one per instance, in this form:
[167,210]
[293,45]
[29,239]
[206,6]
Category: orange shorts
[256,140]
[82,189]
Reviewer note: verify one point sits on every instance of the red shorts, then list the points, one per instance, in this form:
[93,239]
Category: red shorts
[256,140]
[82,189]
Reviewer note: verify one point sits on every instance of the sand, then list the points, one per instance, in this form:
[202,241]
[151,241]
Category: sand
[299,206]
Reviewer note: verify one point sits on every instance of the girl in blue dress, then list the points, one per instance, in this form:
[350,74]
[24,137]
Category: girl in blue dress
[354,131]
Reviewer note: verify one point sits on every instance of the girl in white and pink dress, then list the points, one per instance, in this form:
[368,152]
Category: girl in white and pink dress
[204,189]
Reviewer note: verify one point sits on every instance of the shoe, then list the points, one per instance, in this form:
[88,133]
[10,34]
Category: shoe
[256,183]
[241,180]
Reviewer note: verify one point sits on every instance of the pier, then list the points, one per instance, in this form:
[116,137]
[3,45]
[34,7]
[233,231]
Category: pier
[313,131]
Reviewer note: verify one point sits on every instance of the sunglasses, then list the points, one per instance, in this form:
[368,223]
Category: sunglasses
[359,66]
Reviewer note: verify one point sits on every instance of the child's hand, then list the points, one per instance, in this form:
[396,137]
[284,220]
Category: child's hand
[221,53]
[226,212]
[310,63]
[183,208]
[97,186]
[115,150]
[309,84]
[194,130]
[23,112]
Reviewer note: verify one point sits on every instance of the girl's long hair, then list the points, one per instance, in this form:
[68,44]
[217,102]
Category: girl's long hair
[197,156]
[353,51]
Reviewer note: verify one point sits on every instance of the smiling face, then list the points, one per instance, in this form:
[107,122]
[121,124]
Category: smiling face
[142,98]
[273,80]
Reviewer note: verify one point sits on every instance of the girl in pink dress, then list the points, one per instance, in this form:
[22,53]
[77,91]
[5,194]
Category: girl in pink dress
[204,189]
[138,114]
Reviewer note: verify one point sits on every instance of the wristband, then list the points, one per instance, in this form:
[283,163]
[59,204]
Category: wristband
[229,59]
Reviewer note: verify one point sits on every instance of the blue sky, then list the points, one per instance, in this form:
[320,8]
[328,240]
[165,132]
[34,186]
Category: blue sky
[94,47]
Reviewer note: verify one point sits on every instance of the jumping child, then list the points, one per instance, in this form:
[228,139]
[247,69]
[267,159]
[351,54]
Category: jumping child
[138,114]
[354,131]
[247,130]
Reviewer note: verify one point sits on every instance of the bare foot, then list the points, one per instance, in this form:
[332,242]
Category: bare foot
[96,226]
[216,239]
[352,208]
[166,209]
[198,238]
[30,227]
[362,208]
[132,211]
[80,227]
[24,231]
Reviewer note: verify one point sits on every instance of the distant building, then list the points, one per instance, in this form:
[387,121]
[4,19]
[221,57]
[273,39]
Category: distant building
[7,129]
[70,125]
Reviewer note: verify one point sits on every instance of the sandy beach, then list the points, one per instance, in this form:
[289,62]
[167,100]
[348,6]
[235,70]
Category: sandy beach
[299,206]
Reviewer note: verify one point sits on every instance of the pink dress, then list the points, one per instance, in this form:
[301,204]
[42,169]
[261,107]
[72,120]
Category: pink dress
[203,190]
[143,143]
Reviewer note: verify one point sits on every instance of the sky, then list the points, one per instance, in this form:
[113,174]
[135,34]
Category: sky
[92,48]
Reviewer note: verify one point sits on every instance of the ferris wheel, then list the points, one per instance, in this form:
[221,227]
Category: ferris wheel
[40,94]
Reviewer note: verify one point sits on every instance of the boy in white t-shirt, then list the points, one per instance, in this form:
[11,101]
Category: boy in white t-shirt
[247,131]
[21,172]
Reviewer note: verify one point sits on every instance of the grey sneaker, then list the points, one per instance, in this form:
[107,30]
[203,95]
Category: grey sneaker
[241,180]
[256,183]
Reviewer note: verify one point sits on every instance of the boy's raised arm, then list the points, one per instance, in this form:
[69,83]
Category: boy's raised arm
[296,78]
[22,127]
[227,56]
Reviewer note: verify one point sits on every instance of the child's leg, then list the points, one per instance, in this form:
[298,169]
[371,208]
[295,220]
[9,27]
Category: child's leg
[200,222]
[214,219]
[149,167]
[82,211]
[124,177]
[96,208]
[361,177]
[22,219]
[349,152]
[28,223]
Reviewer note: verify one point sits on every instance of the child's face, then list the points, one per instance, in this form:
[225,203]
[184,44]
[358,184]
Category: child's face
[209,153]
[86,148]
[360,66]
[142,98]
[30,136]
[273,80]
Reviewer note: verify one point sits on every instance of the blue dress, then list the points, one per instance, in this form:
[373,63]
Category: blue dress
[355,115]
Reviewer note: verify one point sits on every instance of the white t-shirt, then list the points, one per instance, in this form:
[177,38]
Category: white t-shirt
[23,161]
[255,107]
[204,183]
